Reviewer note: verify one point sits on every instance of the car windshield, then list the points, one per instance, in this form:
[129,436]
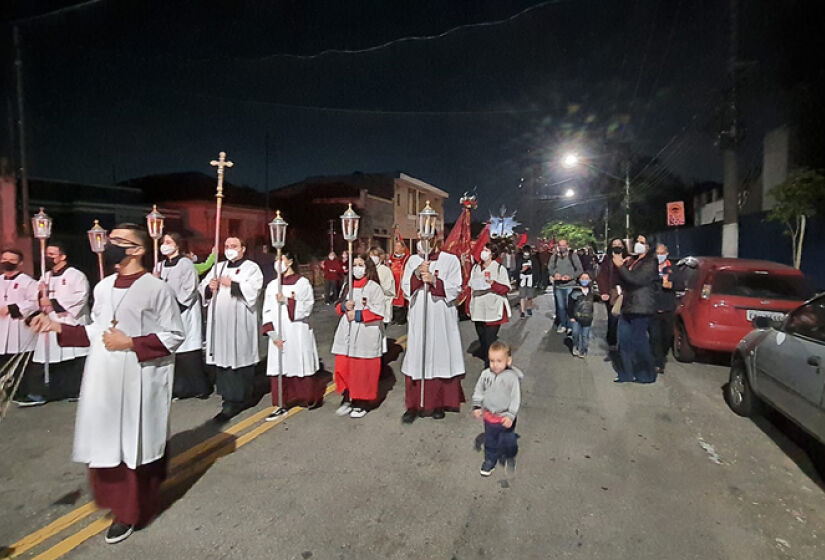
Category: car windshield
[763,285]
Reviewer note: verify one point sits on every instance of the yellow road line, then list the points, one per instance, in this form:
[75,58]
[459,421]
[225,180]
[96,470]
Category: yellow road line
[53,528]
[73,541]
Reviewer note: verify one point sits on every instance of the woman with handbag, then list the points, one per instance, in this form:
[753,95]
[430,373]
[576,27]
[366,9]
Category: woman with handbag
[610,290]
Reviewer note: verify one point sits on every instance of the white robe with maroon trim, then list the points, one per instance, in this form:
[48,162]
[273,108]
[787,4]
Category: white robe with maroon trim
[300,349]
[445,355]
[236,316]
[486,305]
[362,340]
[180,275]
[69,289]
[19,292]
[123,413]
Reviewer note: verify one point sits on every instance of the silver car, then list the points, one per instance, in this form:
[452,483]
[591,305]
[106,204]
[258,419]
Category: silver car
[783,365]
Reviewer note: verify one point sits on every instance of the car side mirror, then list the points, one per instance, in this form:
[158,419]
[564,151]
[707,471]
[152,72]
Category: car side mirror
[761,322]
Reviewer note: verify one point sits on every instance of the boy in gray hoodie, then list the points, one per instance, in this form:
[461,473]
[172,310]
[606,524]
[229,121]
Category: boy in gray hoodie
[496,399]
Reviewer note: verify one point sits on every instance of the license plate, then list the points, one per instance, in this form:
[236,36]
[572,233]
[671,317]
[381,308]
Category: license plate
[772,315]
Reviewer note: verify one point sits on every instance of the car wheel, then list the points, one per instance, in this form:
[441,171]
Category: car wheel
[683,351]
[741,398]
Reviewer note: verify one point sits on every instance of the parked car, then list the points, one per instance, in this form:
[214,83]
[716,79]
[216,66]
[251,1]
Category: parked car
[783,365]
[720,297]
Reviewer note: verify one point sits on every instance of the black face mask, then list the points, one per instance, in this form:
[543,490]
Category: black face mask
[113,254]
[8,266]
[50,263]
[617,250]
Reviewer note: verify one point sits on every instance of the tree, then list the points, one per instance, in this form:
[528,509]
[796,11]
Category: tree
[798,198]
[577,235]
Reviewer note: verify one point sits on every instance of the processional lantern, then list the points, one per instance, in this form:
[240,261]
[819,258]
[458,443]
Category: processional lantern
[427,224]
[277,231]
[349,225]
[41,225]
[98,238]
[154,224]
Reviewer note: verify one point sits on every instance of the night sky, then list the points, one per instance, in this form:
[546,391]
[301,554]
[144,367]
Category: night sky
[120,89]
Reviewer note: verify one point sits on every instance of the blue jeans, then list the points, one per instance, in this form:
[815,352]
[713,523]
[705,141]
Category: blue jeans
[634,349]
[561,293]
[581,337]
[500,443]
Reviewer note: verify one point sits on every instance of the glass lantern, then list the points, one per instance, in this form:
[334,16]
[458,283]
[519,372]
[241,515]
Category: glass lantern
[277,231]
[154,223]
[349,224]
[41,225]
[98,238]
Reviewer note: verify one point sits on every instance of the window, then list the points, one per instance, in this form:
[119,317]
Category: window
[808,321]
[398,199]
[412,202]
[761,284]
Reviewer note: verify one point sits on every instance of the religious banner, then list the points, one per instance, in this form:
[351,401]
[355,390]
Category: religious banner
[460,243]
[676,213]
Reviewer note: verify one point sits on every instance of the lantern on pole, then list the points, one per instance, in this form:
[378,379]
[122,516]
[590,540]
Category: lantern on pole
[42,230]
[277,235]
[98,238]
[154,224]
[349,227]
[427,220]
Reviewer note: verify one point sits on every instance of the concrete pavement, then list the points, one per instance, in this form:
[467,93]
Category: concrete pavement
[604,471]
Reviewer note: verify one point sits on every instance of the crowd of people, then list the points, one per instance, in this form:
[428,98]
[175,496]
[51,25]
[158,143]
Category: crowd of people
[180,331]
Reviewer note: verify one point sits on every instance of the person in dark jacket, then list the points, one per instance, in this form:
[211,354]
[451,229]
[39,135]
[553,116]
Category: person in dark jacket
[528,275]
[608,282]
[638,278]
[580,305]
[661,323]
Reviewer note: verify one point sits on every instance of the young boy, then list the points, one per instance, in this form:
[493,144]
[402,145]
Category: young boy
[580,307]
[497,398]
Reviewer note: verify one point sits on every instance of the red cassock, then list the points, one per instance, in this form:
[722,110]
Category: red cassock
[397,264]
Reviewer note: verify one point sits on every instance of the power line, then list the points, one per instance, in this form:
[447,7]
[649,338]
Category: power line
[59,11]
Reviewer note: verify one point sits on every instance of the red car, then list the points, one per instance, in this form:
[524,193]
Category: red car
[720,298]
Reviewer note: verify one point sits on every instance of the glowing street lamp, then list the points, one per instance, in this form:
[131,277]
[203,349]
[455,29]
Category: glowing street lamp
[98,238]
[569,193]
[570,160]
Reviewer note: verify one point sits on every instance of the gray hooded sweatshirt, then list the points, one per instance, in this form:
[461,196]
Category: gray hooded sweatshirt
[499,394]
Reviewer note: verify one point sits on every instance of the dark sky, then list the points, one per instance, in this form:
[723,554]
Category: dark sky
[124,88]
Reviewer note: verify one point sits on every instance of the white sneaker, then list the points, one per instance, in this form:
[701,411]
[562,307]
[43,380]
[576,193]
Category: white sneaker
[561,330]
[358,413]
[344,409]
[576,353]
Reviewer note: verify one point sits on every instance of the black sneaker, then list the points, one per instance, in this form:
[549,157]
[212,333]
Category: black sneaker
[118,532]
[275,414]
[409,416]
[529,312]
[438,414]
[487,468]
[30,400]
[221,418]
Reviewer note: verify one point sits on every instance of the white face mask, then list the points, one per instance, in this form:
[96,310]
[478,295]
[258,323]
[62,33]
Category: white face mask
[485,255]
[281,267]
[231,254]
[375,259]
[358,272]
[639,248]
[167,249]
[332,257]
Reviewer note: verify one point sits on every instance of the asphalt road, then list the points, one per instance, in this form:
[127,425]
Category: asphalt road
[605,471]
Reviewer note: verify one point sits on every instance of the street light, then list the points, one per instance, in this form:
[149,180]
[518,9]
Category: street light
[572,160]
[569,193]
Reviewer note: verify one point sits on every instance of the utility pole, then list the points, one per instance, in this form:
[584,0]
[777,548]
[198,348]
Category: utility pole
[627,202]
[729,141]
[266,173]
[21,135]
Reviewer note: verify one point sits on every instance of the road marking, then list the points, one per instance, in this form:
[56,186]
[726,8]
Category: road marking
[70,543]
[215,445]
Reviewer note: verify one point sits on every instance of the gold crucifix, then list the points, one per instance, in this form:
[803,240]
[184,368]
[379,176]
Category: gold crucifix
[221,163]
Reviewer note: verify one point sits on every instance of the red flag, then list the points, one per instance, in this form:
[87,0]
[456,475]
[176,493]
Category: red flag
[483,239]
[459,243]
[522,241]
[397,264]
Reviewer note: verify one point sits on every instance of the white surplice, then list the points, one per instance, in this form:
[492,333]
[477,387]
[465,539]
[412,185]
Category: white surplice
[123,412]
[300,354]
[180,275]
[19,291]
[69,289]
[236,315]
[445,355]
[357,339]
[486,305]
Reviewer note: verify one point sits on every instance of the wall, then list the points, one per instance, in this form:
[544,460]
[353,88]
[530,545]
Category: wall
[408,223]
[775,161]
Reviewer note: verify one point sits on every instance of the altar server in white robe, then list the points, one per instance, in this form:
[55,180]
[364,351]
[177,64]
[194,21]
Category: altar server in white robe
[180,275]
[300,381]
[359,340]
[18,300]
[65,299]
[489,308]
[443,365]
[232,300]
[123,413]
